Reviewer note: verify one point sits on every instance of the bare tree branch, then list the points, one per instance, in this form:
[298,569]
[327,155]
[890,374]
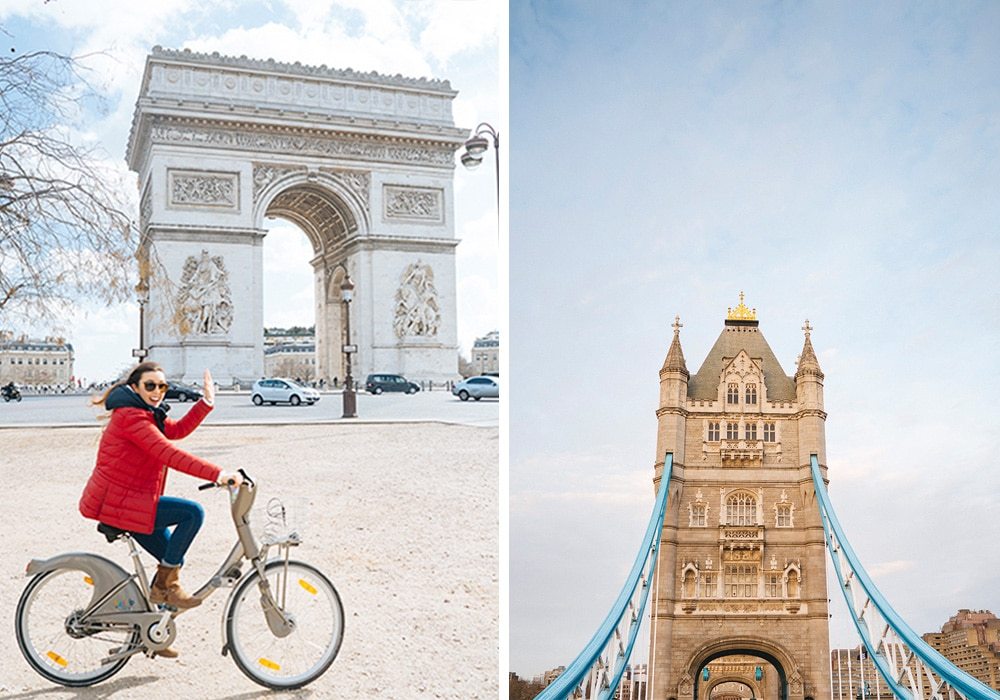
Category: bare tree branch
[65,230]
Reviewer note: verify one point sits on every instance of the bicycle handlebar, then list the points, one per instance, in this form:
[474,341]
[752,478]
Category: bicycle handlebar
[229,482]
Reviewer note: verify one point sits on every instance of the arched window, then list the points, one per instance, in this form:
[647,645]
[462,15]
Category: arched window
[769,432]
[699,514]
[783,515]
[708,585]
[733,393]
[741,509]
[751,393]
[713,431]
[732,431]
[750,431]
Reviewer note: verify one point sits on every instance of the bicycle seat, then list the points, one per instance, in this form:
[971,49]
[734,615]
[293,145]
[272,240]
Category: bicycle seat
[112,533]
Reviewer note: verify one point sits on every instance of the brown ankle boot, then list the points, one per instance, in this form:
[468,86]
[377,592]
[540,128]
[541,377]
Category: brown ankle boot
[166,590]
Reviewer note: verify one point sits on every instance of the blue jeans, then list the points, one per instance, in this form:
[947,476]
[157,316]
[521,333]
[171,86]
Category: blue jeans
[169,547]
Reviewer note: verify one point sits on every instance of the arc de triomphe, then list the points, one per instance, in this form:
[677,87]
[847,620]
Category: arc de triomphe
[361,162]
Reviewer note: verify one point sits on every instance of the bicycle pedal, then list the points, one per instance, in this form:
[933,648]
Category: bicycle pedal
[163,607]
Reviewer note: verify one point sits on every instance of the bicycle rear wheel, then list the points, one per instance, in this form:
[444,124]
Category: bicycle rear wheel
[308,597]
[55,642]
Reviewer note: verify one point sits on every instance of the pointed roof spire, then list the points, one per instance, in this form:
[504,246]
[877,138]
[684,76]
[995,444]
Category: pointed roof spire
[808,362]
[675,356]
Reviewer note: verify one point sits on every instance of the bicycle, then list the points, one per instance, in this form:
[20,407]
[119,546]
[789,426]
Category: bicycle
[77,604]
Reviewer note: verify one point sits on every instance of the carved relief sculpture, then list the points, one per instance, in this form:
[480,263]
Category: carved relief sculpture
[203,190]
[413,203]
[417,310]
[204,303]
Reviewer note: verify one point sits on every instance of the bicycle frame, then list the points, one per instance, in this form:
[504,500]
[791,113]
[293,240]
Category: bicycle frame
[121,600]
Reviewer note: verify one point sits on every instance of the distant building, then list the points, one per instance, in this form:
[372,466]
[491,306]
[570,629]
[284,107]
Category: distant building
[31,361]
[633,683]
[855,677]
[290,352]
[486,353]
[548,676]
[292,360]
[971,641]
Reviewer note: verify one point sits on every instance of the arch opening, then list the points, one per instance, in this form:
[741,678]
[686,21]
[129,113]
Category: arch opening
[328,223]
[770,683]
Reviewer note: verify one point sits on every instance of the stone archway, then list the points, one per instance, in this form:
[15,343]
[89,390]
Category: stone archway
[789,681]
[361,163]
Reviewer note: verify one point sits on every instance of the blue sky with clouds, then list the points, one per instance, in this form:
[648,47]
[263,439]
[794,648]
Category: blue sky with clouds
[458,41]
[837,162]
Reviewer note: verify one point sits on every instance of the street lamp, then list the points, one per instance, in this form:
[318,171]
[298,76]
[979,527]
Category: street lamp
[476,146]
[142,296]
[350,398]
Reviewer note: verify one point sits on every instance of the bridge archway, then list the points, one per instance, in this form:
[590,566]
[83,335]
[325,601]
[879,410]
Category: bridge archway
[363,164]
[773,654]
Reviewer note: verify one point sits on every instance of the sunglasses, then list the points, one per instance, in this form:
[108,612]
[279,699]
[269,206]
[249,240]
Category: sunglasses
[154,386]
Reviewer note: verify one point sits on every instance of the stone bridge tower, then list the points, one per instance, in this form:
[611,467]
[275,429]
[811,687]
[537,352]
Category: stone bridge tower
[742,569]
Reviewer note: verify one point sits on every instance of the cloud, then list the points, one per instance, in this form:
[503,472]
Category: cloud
[888,568]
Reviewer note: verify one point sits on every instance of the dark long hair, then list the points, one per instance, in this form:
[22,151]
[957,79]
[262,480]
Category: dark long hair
[132,378]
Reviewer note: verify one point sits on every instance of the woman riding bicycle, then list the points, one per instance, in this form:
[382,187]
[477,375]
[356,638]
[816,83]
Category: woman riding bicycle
[126,487]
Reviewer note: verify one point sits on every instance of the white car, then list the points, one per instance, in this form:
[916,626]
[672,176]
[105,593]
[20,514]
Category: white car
[281,390]
[477,388]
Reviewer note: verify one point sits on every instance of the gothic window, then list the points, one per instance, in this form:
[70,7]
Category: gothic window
[707,585]
[733,394]
[794,579]
[713,431]
[769,432]
[741,509]
[750,431]
[751,393]
[784,515]
[741,581]
[689,583]
[772,585]
[732,431]
[699,515]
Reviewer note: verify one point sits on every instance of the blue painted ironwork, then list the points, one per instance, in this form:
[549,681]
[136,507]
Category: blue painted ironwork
[911,668]
[602,662]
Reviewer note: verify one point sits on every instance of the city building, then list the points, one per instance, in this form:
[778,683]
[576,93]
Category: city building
[290,352]
[854,677]
[971,640]
[742,568]
[33,362]
[548,676]
[633,683]
[292,360]
[486,353]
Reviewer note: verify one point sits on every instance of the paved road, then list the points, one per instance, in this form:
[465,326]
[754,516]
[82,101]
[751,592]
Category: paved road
[236,409]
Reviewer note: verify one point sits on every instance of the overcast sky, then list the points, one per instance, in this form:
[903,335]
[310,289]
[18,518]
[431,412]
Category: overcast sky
[837,162]
[457,41]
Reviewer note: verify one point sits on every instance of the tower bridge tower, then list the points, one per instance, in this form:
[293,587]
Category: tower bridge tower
[742,566]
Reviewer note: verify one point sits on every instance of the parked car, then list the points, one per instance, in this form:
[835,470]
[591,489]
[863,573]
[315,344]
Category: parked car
[280,390]
[377,383]
[182,392]
[477,388]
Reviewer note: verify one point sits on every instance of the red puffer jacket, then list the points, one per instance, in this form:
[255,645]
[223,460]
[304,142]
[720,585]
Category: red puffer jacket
[132,462]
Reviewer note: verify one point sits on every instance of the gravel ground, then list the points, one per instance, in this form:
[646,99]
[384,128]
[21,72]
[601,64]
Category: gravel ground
[403,518]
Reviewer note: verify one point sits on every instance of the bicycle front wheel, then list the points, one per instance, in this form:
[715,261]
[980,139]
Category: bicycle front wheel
[305,595]
[56,642]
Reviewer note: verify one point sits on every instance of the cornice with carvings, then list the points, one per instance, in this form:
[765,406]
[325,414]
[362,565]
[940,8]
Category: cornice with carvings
[299,142]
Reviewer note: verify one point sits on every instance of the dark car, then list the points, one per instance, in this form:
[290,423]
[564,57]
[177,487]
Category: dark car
[182,392]
[377,383]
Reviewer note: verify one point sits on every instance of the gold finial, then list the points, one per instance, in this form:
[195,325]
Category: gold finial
[741,312]
[677,325]
[807,328]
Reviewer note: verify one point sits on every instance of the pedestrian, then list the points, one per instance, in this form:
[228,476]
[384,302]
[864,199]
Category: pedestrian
[125,490]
